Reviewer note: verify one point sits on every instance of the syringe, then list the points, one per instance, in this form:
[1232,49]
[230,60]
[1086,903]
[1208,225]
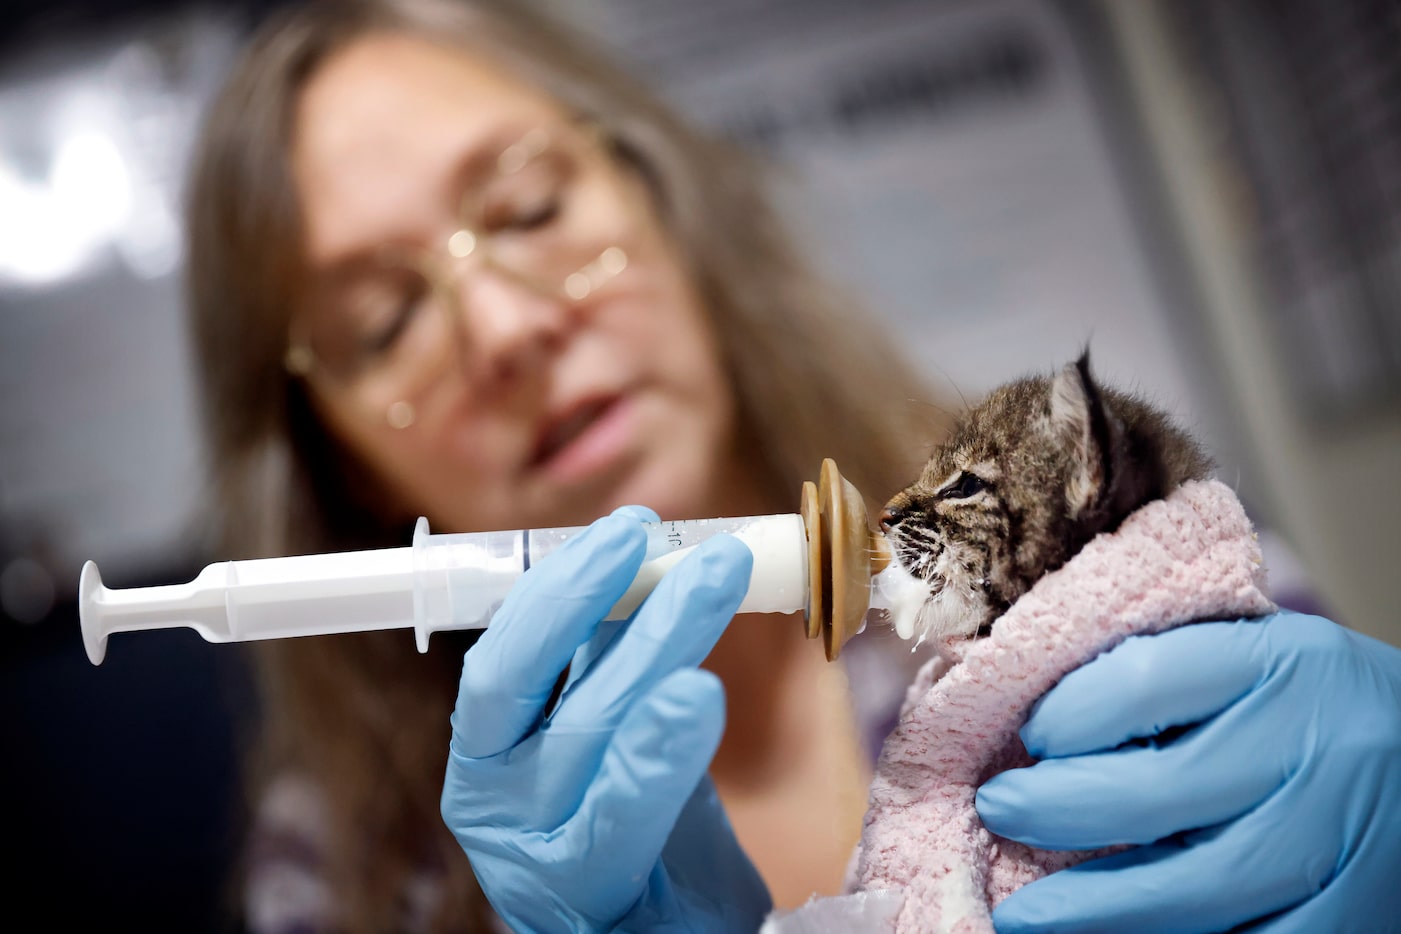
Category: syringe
[820,561]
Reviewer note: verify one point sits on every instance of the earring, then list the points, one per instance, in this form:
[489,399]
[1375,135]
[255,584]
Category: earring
[400,414]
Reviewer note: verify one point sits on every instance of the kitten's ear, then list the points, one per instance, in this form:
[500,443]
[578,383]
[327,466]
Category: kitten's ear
[1080,423]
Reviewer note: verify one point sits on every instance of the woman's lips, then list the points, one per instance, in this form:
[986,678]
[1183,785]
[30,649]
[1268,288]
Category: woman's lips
[588,438]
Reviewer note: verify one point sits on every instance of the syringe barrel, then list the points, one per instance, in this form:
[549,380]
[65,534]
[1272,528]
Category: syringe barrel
[453,581]
[461,579]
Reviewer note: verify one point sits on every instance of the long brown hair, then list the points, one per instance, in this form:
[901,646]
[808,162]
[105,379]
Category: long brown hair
[365,716]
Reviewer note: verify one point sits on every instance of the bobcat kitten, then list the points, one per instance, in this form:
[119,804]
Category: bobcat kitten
[1024,481]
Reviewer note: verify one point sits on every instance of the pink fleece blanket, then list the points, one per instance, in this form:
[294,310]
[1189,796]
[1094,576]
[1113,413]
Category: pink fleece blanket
[925,862]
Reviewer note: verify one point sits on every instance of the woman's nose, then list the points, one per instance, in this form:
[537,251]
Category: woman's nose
[509,324]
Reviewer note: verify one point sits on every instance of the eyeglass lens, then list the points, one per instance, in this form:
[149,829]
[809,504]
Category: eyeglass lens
[554,217]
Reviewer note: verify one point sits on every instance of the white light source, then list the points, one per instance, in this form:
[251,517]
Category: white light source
[49,231]
[33,246]
[89,181]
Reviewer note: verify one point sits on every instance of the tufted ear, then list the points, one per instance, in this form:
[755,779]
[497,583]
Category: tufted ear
[1081,425]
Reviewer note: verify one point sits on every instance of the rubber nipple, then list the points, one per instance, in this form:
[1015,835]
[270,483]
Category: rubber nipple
[844,553]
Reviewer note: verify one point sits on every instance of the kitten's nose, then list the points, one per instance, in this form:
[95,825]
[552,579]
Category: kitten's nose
[889,517]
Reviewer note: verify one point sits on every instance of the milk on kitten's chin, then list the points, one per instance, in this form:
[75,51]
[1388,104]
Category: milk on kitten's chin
[920,611]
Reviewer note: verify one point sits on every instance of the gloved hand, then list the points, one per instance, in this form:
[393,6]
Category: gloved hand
[1278,805]
[600,816]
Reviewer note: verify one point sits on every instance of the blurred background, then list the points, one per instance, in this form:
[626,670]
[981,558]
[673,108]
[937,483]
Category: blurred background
[1209,193]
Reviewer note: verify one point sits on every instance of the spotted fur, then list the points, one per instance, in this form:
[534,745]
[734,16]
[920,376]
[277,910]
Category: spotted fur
[1028,477]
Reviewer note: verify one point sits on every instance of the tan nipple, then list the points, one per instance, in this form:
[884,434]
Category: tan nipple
[844,553]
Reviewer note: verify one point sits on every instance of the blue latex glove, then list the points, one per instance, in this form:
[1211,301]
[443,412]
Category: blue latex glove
[600,816]
[1278,807]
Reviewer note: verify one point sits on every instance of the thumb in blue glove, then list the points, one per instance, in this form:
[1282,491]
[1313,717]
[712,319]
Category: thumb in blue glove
[600,816]
[1257,764]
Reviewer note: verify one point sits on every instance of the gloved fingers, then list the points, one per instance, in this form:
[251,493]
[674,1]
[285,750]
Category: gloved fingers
[1351,803]
[1147,684]
[1349,904]
[552,610]
[704,875]
[711,850]
[1327,911]
[640,513]
[1139,794]
[676,627]
[656,758]
[1177,885]
[606,630]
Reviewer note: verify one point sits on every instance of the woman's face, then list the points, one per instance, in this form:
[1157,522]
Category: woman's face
[515,405]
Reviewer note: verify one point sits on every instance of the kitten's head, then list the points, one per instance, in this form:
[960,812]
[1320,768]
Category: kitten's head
[1026,478]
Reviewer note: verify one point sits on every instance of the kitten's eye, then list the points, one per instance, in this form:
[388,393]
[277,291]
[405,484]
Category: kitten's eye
[965,486]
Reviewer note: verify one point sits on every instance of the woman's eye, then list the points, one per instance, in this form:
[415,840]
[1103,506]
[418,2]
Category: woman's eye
[533,215]
[965,486]
[396,321]
[525,201]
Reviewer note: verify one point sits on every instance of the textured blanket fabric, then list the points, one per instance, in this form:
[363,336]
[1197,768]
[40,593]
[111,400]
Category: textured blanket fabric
[1190,557]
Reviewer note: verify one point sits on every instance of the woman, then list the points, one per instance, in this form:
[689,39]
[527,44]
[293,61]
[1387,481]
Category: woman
[709,376]
[444,263]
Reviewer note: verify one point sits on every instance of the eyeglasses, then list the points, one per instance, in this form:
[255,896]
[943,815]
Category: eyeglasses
[554,215]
